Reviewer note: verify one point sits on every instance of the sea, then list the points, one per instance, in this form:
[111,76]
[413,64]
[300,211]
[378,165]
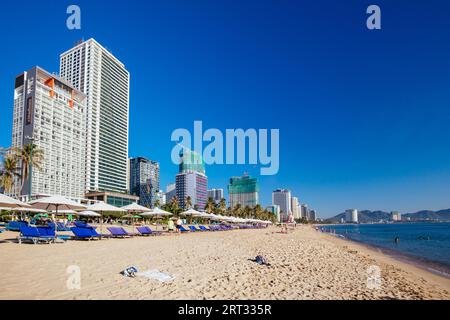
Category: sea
[424,244]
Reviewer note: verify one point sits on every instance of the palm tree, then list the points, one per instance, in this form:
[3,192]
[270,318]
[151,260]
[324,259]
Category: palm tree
[247,212]
[29,155]
[9,171]
[222,206]
[210,205]
[257,212]
[236,211]
[157,203]
[188,203]
[174,206]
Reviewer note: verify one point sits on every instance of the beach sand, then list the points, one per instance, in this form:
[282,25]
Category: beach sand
[305,264]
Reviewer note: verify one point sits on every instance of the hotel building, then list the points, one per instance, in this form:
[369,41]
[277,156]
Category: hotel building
[294,208]
[282,197]
[50,113]
[144,180]
[351,216]
[191,180]
[216,195]
[243,191]
[94,71]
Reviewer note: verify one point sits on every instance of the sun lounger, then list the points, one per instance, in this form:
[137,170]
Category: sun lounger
[85,233]
[147,231]
[119,232]
[204,228]
[34,234]
[183,229]
[192,228]
[15,225]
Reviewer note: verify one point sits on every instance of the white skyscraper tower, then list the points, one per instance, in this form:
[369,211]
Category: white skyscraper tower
[103,78]
[282,197]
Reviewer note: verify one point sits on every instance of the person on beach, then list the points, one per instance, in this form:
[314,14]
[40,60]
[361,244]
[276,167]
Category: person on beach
[170,225]
[179,223]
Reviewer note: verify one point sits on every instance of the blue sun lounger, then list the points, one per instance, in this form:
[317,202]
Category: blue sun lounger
[119,232]
[192,228]
[147,231]
[204,228]
[183,229]
[34,235]
[85,233]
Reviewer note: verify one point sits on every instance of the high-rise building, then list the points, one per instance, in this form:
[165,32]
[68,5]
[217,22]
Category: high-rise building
[50,113]
[282,197]
[243,191]
[351,216]
[144,180]
[312,215]
[171,192]
[294,208]
[94,71]
[304,211]
[215,194]
[396,216]
[161,196]
[191,180]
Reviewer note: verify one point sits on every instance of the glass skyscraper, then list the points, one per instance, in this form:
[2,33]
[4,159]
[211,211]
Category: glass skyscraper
[243,191]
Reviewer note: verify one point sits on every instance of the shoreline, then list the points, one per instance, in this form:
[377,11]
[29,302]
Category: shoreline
[434,267]
[408,263]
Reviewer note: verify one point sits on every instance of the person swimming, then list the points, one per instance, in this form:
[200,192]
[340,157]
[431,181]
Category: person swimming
[397,240]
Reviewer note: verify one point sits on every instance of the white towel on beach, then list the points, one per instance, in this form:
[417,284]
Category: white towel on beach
[155,274]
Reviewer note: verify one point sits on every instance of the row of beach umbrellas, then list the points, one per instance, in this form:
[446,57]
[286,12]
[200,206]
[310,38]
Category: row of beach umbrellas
[62,205]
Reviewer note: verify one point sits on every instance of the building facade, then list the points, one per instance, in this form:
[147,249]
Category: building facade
[193,185]
[294,208]
[312,215]
[144,180]
[113,198]
[351,216]
[216,195]
[243,191]
[282,197]
[191,181]
[396,216]
[304,211]
[171,191]
[50,113]
[94,71]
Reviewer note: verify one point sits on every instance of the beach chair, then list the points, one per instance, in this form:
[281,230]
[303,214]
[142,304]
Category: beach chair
[34,235]
[15,225]
[85,233]
[204,228]
[147,231]
[192,228]
[183,229]
[62,227]
[119,232]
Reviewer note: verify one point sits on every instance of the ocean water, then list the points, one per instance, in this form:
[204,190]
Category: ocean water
[427,244]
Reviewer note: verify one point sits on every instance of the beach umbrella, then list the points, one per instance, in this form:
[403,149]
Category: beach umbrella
[56,203]
[88,213]
[20,209]
[156,212]
[8,202]
[135,208]
[102,207]
[191,212]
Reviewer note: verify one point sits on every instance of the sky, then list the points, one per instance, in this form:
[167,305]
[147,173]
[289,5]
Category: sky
[363,114]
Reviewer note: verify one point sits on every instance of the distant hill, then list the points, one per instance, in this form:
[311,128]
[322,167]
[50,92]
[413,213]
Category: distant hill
[367,216]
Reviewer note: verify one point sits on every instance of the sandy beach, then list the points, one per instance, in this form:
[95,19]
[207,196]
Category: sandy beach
[305,264]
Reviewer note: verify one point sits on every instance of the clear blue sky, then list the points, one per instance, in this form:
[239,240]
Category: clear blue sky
[364,116]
